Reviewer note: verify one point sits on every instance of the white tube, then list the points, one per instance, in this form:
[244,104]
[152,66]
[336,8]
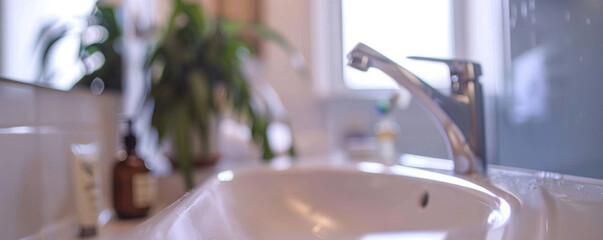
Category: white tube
[85,186]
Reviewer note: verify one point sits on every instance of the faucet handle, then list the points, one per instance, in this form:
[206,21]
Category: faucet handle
[460,70]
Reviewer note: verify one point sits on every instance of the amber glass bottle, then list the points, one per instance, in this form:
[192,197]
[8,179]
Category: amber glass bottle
[133,185]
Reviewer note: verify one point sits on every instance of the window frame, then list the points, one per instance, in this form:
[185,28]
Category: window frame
[473,35]
[328,63]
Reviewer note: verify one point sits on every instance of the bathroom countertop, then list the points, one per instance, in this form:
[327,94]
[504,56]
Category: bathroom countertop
[116,227]
[66,229]
[170,188]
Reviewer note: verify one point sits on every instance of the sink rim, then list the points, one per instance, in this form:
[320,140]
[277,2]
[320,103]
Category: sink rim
[499,216]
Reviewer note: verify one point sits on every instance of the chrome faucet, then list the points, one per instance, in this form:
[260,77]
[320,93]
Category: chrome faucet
[458,116]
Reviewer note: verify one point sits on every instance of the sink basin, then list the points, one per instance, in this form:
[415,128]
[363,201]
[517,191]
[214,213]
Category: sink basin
[354,201]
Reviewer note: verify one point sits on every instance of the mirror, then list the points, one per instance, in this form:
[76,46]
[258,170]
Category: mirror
[21,48]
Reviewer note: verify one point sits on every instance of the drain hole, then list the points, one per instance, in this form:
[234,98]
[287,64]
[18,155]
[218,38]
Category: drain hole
[424,200]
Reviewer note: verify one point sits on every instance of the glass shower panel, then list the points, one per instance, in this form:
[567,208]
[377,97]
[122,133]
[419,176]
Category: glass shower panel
[550,112]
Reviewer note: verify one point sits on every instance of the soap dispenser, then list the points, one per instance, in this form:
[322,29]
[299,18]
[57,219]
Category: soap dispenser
[133,185]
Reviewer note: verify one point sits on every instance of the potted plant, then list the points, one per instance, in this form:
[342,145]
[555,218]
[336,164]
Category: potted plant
[99,37]
[196,70]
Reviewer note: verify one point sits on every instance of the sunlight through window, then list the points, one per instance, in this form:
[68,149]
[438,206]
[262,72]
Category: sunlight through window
[399,29]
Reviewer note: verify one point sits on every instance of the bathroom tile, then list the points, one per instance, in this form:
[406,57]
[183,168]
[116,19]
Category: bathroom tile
[18,104]
[20,188]
[65,108]
[57,193]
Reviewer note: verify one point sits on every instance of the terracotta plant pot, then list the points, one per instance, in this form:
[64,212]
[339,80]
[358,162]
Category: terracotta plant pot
[200,161]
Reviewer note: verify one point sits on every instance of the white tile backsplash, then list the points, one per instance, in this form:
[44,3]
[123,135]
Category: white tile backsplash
[56,189]
[18,104]
[35,161]
[61,108]
[20,190]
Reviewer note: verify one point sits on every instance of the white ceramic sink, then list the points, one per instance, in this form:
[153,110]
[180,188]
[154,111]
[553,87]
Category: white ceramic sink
[360,201]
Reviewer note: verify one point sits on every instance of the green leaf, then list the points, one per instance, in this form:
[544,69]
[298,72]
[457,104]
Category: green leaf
[204,136]
[196,16]
[92,48]
[49,29]
[177,10]
[266,33]
[239,28]
[292,152]
[162,119]
[200,91]
[156,53]
[183,143]
[106,16]
[50,42]
[267,153]
[234,47]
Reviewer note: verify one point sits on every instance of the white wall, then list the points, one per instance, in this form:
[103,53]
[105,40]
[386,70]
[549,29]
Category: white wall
[292,19]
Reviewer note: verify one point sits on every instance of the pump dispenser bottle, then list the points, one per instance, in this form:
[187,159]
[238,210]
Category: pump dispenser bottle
[133,185]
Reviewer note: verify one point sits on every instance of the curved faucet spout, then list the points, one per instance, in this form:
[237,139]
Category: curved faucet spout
[465,160]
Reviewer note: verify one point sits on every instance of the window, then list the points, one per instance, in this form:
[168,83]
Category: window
[397,29]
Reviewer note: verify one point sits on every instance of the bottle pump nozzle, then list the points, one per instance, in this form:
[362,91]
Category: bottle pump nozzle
[130,139]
